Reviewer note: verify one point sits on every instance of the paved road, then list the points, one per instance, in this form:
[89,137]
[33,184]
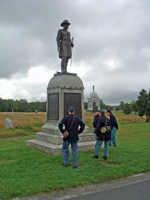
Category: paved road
[135,187]
[135,191]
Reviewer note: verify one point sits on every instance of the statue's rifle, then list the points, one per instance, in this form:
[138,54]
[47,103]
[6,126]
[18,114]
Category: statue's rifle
[72,40]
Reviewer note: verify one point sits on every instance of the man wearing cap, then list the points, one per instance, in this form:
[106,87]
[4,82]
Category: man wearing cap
[64,45]
[114,128]
[102,122]
[95,120]
[71,123]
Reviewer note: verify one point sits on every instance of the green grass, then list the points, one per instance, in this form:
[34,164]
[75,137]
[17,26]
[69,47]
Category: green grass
[25,171]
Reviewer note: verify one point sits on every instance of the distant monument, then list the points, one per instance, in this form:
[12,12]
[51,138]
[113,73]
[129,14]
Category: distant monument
[8,123]
[93,100]
[64,90]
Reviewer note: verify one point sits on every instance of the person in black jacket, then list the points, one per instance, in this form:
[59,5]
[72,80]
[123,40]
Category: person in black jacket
[103,120]
[114,128]
[95,120]
[72,124]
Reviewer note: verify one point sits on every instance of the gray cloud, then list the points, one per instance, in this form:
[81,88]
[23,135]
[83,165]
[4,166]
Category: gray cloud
[111,39]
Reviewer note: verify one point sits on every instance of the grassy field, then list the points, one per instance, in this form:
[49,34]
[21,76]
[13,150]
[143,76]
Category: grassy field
[24,124]
[21,118]
[29,123]
[25,171]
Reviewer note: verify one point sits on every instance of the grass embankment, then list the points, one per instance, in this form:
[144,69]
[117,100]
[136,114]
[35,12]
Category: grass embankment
[25,171]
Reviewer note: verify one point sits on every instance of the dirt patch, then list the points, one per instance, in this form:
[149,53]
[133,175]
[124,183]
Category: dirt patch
[80,165]
[111,163]
[4,161]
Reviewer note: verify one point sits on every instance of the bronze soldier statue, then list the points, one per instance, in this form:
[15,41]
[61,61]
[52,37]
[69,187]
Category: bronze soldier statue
[64,45]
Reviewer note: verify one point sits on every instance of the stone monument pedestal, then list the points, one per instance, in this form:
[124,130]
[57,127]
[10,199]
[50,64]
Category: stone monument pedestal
[64,90]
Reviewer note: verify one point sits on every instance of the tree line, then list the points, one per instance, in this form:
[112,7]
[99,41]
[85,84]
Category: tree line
[140,106]
[9,105]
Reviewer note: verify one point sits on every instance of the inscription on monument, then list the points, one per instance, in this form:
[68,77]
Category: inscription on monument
[87,138]
[53,106]
[72,99]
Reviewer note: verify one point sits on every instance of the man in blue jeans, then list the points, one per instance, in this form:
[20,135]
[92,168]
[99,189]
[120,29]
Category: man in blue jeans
[102,122]
[72,124]
[114,128]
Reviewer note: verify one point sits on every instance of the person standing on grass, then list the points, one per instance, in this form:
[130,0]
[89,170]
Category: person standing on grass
[95,120]
[71,123]
[114,128]
[102,122]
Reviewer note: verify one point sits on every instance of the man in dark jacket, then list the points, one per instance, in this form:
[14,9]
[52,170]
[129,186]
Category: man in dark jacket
[72,124]
[114,128]
[95,121]
[102,136]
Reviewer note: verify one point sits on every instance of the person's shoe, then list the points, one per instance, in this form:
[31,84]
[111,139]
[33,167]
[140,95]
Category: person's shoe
[109,144]
[96,157]
[65,165]
[104,157]
[75,167]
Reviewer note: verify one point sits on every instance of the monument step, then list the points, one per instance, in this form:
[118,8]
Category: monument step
[51,128]
[57,149]
[58,139]
[50,138]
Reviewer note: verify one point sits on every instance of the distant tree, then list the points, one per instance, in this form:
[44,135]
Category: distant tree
[37,105]
[22,105]
[107,107]
[143,104]
[15,109]
[102,104]
[127,109]
[134,107]
[10,103]
[4,106]
[122,105]
[148,110]
[43,107]
[85,105]
[95,107]
[15,106]
[7,105]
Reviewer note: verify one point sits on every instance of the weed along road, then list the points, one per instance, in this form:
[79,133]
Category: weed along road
[131,188]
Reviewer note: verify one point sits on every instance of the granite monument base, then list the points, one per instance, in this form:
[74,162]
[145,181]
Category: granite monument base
[64,90]
[51,142]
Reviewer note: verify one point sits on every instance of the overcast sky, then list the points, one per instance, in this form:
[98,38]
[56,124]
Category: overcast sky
[112,47]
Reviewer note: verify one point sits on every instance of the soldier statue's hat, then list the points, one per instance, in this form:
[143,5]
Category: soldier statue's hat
[65,22]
